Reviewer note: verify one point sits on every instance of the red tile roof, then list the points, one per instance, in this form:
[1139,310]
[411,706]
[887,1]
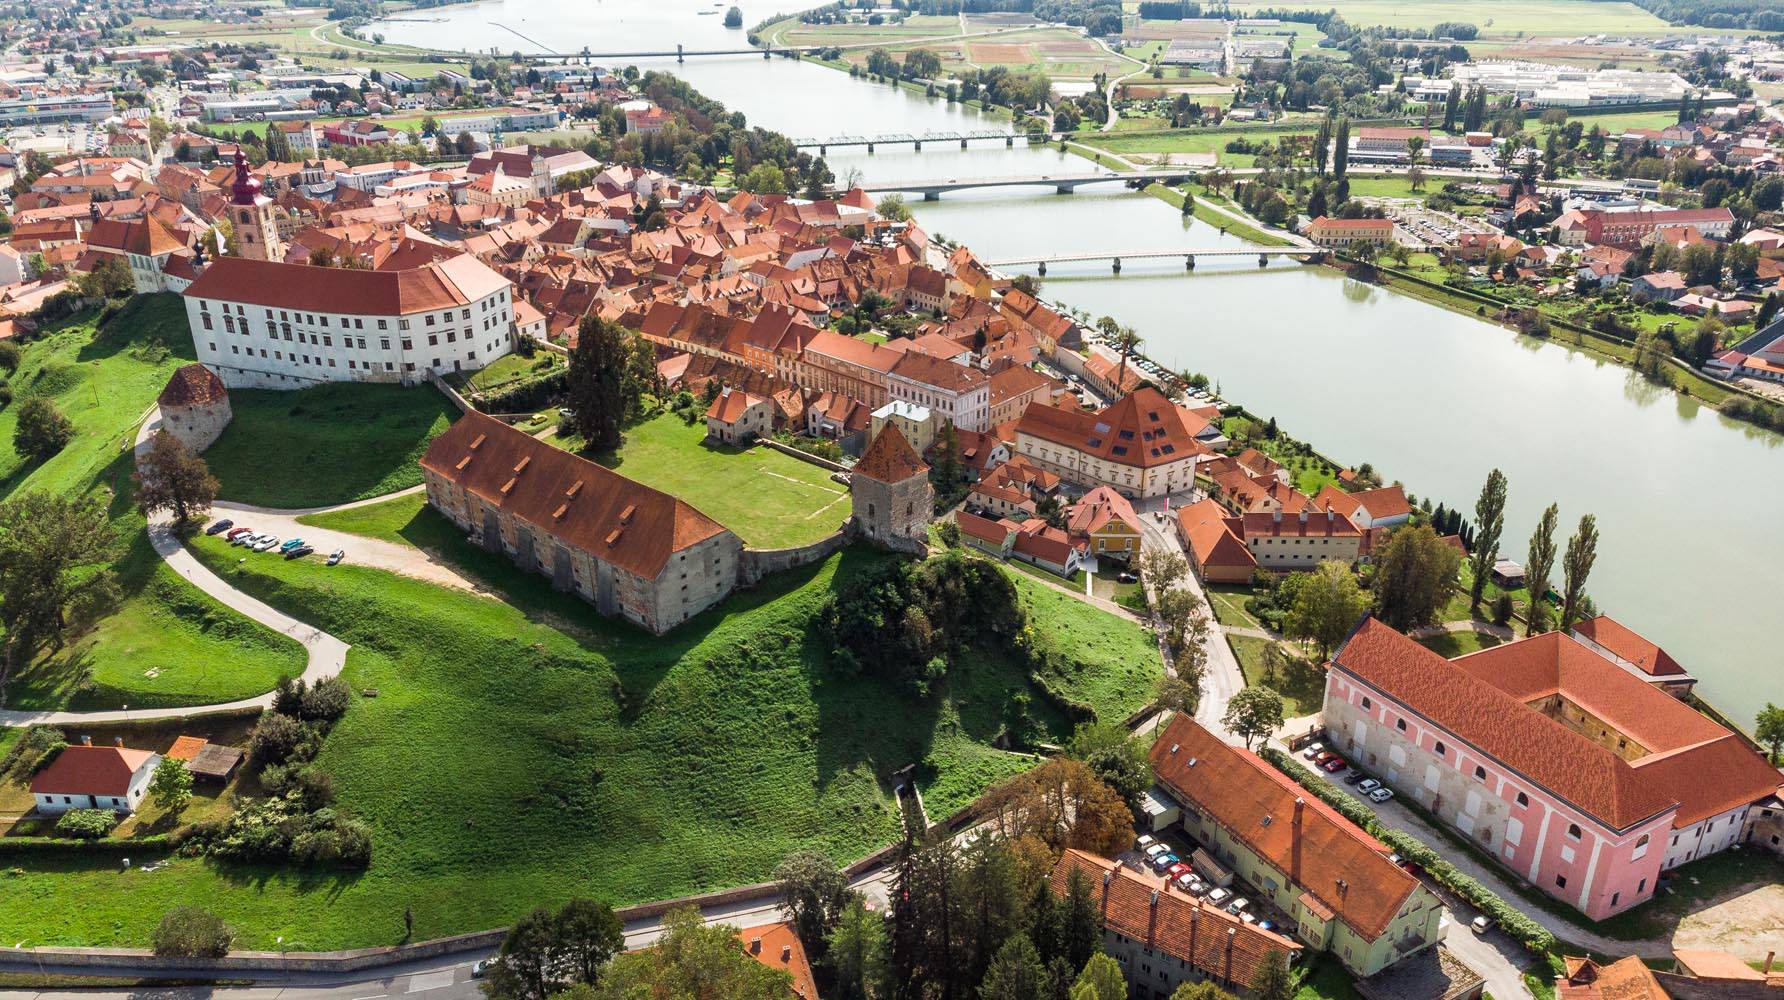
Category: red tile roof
[983,528]
[1143,429]
[777,946]
[1142,907]
[1211,538]
[192,385]
[1328,856]
[938,373]
[889,458]
[731,405]
[1625,642]
[86,770]
[586,506]
[457,281]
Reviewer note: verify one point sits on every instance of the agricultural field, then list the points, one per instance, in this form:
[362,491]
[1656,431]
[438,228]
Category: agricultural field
[1501,18]
[326,445]
[1193,141]
[769,498]
[513,754]
[164,642]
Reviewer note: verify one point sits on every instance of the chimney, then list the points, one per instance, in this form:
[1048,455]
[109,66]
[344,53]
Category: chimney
[1768,963]
[786,954]
[118,741]
[1276,515]
[1300,805]
[1303,515]
[86,741]
[1152,918]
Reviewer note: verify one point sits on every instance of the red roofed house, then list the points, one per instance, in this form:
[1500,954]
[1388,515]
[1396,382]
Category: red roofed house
[84,776]
[1383,507]
[1580,778]
[1626,648]
[738,417]
[996,537]
[1335,881]
[1164,938]
[1143,445]
[1040,544]
[194,407]
[631,551]
[1299,541]
[1216,552]
[1107,523]
[777,946]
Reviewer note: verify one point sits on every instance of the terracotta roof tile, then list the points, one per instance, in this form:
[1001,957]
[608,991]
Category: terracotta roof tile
[890,458]
[192,385]
[1613,635]
[88,770]
[1143,429]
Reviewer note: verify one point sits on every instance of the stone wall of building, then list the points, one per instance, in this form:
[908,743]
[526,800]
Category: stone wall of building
[895,515]
[757,564]
[197,427]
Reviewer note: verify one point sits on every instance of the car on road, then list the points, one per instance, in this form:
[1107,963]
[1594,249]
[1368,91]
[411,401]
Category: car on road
[1480,924]
[1381,795]
[299,552]
[335,557]
[1334,765]
[219,527]
[1313,751]
[1368,785]
[481,969]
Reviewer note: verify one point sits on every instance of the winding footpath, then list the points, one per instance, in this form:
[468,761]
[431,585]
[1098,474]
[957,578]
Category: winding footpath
[324,654]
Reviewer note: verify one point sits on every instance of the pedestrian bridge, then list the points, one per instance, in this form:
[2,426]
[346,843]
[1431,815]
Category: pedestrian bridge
[1188,255]
[1064,183]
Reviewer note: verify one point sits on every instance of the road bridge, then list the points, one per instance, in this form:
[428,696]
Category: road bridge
[1064,183]
[823,146]
[1189,255]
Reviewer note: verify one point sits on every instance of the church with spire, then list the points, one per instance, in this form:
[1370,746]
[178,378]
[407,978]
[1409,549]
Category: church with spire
[251,215]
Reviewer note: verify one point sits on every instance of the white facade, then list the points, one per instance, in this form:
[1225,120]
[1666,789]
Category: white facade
[969,410]
[51,805]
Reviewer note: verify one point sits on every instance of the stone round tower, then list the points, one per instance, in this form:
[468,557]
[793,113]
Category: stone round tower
[890,493]
[194,407]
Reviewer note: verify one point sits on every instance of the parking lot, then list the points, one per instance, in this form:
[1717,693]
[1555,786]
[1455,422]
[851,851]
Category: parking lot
[1169,854]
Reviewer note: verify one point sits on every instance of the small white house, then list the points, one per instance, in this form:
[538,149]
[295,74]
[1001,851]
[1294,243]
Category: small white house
[89,777]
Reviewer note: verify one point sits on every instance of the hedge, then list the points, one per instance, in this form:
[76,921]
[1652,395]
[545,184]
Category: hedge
[63,847]
[1527,932]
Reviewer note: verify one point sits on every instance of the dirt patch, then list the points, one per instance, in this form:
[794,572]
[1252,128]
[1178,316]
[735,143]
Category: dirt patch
[1000,52]
[1747,926]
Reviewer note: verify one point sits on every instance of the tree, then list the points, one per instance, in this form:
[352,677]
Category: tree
[1161,568]
[857,955]
[1769,730]
[1322,146]
[1177,694]
[691,960]
[1341,149]
[589,934]
[734,18]
[42,430]
[1273,981]
[596,382]
[1016,973]
[1083,920]
[1576,565]
[1127,341]
[192,932]
[1489,523]
[52,548]
[1414,577]
[527,966]
[1537,567]
[1102,979]
[1201,991]
[1326,607]
[170,478]
[893,208]
[9,356]
[1253,715]
[1065,804]
[1110,751]
[764,178]
[814,891]
[171,786]
[110,279]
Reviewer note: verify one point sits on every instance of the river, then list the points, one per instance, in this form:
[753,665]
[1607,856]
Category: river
[1685,499]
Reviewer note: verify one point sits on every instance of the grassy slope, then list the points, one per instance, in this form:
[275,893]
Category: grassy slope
[507,761]
[166,643]
[770,499]
[326,445]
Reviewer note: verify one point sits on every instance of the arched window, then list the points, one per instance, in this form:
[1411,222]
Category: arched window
[1641,848]
[1573,830]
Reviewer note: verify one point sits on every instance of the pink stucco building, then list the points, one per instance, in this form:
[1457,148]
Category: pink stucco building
[1582,779]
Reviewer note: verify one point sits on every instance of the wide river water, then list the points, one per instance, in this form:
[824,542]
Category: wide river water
[1689,553]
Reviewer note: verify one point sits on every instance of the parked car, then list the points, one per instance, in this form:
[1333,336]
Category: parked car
[1354,776]
[1265,925]
[1154,849]
[1480,924]
[1334,765]
[336,556]
[1368,785]
[299,552]
[219,527]
[1177,870]
[239,536]
[1163,862]
[1186,882]
[1248,917]
[1238,906]
[1313,751]
[1127,577]
[1323,756]
[1145,842]
[290,544]
[1219,896]
[1198,887]
[1381,795]
[267,544]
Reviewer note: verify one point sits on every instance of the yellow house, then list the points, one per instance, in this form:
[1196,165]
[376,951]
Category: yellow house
[1107,522]
[1335,881]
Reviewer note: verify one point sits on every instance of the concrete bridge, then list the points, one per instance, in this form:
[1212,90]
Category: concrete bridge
[823,146]
[680,52]
[1115,257]
[1064,183]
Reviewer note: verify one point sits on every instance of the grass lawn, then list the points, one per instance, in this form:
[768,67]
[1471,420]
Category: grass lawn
[1228,601]
[1327,980]
[1500,18]
[1310,472]
[326,445]
[1113,663]
[165,642]
[1450,645]
[1691,888]
[769,498]
[508,370]
[1301,683]
[505,762]
[390,520]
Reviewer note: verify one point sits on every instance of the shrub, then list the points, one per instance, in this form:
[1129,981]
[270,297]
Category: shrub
[33,752]
[279,737]
[86,824]
[192,932]
[326,701]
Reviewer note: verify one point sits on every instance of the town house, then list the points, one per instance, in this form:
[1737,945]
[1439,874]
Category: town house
[1143,445]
